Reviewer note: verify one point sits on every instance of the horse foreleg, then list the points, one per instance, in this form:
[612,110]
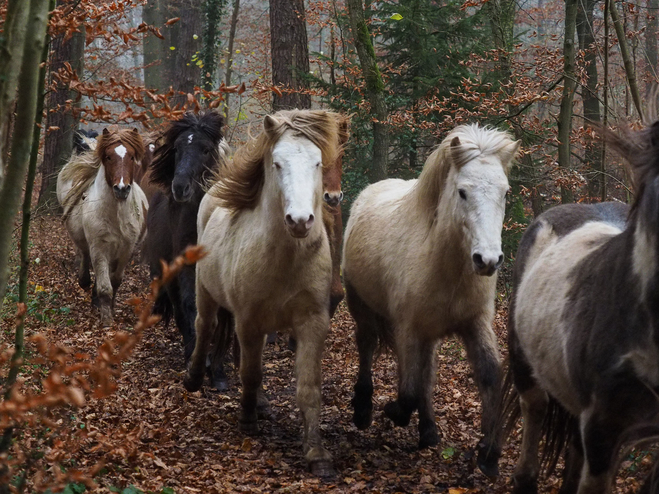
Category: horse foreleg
[310,342]
[206,323]
[483,354]
[533,402]
[185,309]
[103,288]
[251,376]
[408,349]
[221,341]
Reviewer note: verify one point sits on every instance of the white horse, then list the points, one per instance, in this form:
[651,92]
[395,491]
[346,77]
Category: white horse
[418,261]
[104,212]
[269,263]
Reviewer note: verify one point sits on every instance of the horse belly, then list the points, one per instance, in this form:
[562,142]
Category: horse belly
[541,302]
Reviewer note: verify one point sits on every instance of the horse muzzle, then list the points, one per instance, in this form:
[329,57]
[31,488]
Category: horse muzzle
[299,227]
[486,265]
[333,199]
[121,192]
[181,192]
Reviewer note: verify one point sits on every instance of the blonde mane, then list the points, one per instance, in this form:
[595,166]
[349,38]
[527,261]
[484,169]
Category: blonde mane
[474,141]
[81,169]
[239,186]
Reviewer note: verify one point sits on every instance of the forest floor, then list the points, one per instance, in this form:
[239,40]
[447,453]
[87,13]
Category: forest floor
[154,435]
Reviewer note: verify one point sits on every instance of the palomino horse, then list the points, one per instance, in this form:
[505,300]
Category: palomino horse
[269,262]
[189,153]
[584,327]
[104,211]
[418,261]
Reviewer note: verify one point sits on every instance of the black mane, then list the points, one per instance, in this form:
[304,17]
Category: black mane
[208,125]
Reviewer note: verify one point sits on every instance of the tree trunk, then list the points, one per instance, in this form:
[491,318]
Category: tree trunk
[290,53]
[605,98]
[569,84]
[501,15]
[155,49]
[26,107]
[11,55]
[228,72]
[626,57]
[591,105]
[375,92]
[213,11]
[184,71]
[59,142]
[651,33]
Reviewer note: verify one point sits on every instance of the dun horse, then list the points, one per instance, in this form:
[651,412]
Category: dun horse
[189,153]
[418,261]
[269,262]
[104,212]
[584,327]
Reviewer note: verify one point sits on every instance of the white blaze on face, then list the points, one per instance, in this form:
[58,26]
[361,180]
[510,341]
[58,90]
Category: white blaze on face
[298,175]
[152,147]
[190,137]
[121,151]
[484,184]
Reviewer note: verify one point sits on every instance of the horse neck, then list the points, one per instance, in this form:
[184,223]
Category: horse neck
[644,237]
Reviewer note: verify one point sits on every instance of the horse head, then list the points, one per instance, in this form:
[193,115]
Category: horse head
[333,195]
[118,151]
[477,185]
[189,149]
[296,167]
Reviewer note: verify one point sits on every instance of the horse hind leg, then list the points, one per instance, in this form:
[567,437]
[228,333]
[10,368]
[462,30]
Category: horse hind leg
[483,354]
[221,341]
[366,336]
[428,435]
[84,276]
[409,352]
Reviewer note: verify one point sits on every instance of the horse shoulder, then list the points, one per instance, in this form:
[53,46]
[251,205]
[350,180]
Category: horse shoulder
[206,208]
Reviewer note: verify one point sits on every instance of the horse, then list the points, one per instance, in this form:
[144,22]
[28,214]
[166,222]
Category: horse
[84,140]
[104,212]
[192,149]
[583,328]
[143,175]
[419,260]
[269,263]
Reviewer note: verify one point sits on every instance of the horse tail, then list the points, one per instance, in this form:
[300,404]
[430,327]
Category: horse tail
[511,410]
[559,429]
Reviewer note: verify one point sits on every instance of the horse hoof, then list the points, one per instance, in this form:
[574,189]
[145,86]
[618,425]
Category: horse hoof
[322,469]
[220,384]
[292,344]
[428,439]
[362,419]
[193,383]
[488,461]
[525,484]
[396,415]
[251,427]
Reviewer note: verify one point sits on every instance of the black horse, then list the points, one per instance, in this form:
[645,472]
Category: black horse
[190,153]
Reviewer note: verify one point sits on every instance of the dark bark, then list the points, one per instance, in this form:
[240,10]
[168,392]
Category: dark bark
[290,53]
[375,92]
[569,85]
[11,55]
[626,57]
[591,104]
[155,50]
[184,72]
[59,142]
[651,33]
[228,71]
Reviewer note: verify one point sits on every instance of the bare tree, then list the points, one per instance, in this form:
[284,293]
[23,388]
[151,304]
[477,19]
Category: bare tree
[290,53]
[374,89]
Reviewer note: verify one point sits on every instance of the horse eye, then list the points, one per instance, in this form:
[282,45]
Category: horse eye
[318,164]
[277,165]
[463,194]
[206,152]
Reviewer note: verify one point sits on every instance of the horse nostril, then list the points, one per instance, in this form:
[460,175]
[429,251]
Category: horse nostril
[309,222]
[340,196]
[289,220]
[326,197]
[499,262]
[478,261]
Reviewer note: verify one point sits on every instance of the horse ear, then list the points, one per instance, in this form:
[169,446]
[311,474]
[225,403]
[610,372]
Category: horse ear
[456,152]
[509,153]
[270,123]
[105,131]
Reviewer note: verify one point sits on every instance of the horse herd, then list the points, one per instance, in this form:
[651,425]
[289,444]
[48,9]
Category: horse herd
[418,262]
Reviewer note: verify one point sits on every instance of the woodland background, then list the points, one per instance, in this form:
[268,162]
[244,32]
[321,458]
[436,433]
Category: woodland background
[406,71]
